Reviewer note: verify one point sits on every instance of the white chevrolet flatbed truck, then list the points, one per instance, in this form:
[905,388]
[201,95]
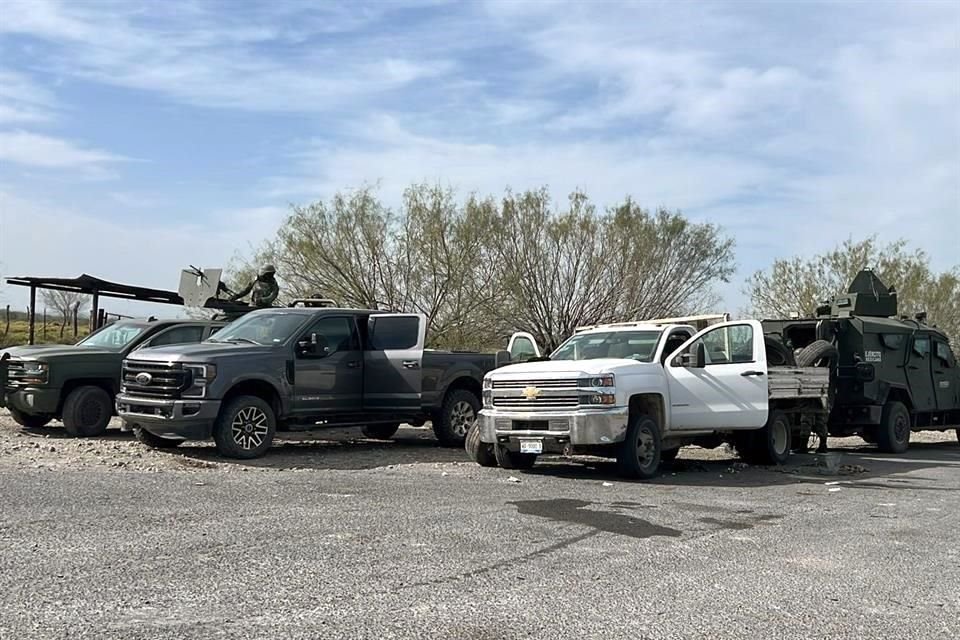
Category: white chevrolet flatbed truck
[637,392]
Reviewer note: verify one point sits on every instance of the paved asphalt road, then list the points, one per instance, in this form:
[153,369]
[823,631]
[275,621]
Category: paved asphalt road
[353,539]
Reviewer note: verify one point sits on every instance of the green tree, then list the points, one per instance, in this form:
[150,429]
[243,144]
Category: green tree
[798,284]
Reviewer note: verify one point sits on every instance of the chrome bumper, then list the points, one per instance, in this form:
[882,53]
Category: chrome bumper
[581,427]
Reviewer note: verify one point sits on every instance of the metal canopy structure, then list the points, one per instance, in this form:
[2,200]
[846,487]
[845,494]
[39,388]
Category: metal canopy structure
[94,287]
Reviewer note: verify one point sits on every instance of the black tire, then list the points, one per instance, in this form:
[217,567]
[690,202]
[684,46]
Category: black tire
[639,455]
[459,412]
[817,353]
[770,444]
[154,442]
[245,428]
[893,434]
[480,452]
[380,431]
[28,420]
[513,459]
[778,355]
[669,455]
[869,435]
[87,411]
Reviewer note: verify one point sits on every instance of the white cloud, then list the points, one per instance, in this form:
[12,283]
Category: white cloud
[35,150]
[196,56]
[22,100]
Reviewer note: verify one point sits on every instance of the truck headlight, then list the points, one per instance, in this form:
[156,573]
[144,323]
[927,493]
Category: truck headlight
[34,373]
[202,375]
[604,381]
[487,398]
[598,399]
[488,383]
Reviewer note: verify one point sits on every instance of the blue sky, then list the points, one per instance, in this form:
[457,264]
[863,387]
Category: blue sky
[138,137]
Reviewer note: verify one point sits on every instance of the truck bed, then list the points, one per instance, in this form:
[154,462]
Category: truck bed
[798,382]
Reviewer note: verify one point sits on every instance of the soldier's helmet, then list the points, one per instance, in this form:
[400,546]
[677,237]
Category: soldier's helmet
[268,269]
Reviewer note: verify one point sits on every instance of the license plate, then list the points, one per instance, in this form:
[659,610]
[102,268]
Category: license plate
[531,446]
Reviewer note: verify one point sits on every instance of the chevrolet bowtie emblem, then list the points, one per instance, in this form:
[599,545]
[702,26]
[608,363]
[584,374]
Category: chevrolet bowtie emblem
[531,393]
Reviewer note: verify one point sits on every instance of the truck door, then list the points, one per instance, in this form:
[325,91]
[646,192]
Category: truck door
[730,389]
[919,372]
[393,361]
[945,376]
[522,347]
[328,367]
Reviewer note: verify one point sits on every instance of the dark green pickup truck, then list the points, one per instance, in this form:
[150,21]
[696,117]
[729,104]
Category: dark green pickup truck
[77,383]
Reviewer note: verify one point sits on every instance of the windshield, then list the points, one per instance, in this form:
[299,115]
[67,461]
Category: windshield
[260,328]
[116,336]
[632,345]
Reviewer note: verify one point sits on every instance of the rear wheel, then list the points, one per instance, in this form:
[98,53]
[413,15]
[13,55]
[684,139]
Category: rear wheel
[459,412]
[769,445]
[380,431]
[29,420]
[245,428]
[154,442]
[480,452]
[87,411]
[640,453]
[513,459]
[893,435]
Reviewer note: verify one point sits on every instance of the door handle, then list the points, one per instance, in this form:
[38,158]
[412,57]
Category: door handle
[747,374]
[411,364]
[354,365]
[913,367]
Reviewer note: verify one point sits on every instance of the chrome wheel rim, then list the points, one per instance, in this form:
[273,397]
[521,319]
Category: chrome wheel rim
[646,447]
[250,427]
[462,418]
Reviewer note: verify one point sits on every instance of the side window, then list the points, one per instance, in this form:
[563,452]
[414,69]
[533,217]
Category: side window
[178,335]
[394,333]
[336,333]
[944,354]
[522,349]
[674,342]
[728,345]
[921,346]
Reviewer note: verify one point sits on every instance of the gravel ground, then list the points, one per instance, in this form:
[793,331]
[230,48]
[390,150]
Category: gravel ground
[350,538]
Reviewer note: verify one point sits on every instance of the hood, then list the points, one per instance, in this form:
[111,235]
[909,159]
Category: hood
[197,352]
[49,351]
[548,369]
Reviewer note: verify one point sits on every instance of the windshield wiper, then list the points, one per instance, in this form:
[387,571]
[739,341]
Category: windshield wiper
[239,340]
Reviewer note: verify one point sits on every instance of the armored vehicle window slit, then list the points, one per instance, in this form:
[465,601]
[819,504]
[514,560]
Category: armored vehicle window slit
[892,340]
[921,346]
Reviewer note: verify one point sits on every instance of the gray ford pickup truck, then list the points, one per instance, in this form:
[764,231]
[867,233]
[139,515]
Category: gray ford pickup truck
[298,369]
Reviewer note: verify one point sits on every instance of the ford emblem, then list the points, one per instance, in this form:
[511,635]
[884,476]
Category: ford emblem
[143,379]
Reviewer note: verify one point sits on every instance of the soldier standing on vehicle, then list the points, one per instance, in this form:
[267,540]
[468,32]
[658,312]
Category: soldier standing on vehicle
[264,288]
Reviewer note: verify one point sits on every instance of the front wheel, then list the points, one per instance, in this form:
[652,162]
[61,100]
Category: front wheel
[153,441]
[245,428]
[639,454]
[87,411]
[29,420]
[893,434]
[479,451]
[459,412]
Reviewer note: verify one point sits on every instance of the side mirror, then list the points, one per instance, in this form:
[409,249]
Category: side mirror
[313,346]
[694,358]
[700,361]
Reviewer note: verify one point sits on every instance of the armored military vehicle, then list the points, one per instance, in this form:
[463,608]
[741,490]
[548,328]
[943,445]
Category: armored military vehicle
[890,374]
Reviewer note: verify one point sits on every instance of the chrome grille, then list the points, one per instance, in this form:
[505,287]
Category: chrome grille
[540,384]
[167,380]
[541,403]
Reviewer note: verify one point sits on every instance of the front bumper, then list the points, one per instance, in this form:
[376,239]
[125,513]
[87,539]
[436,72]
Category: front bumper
[576,428]
[185,419]
[31,400]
